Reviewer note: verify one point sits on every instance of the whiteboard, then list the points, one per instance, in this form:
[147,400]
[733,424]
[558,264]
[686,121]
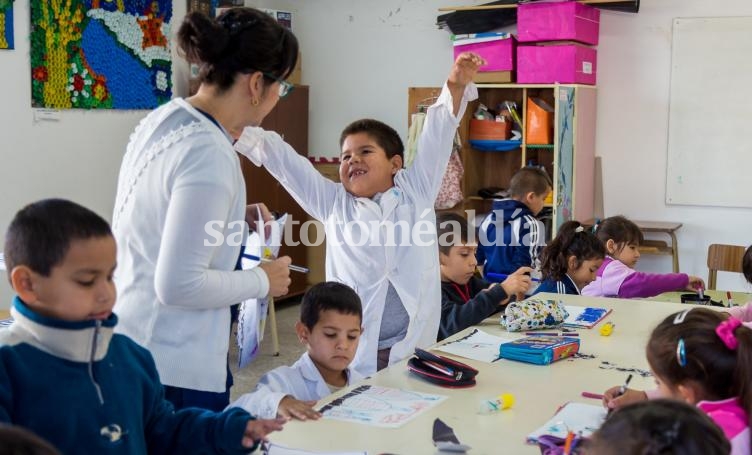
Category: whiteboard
[710,114]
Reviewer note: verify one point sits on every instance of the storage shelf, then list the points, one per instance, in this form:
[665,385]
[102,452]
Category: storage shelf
[540,146]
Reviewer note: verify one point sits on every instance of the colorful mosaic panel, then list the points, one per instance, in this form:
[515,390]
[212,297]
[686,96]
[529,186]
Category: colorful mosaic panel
[6,24]
[100,54]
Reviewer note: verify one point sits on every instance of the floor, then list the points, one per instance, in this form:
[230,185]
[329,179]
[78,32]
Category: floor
[290,349]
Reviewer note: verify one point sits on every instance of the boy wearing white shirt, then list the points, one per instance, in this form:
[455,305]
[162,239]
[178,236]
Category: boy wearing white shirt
[380,221]
[330,326]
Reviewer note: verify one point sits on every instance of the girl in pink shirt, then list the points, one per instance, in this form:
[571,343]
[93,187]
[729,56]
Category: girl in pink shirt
[617,277]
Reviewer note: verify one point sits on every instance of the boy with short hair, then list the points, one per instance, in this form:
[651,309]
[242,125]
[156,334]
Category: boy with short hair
[60,357]
[330,327]
[380,221]
[466,299]
[510,236]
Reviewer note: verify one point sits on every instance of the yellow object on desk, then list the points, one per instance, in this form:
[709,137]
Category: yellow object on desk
[607,329]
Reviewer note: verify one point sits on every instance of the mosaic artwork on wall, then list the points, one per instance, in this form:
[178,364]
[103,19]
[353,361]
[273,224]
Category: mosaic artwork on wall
[6,24]
[100,54]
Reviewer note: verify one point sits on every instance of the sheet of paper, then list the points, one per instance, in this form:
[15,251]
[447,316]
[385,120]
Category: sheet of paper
[576,417]
[380,406]
[276,449]
[477,345]
[580,316]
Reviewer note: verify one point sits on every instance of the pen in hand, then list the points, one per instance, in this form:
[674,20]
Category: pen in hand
[623,388]
[294,268]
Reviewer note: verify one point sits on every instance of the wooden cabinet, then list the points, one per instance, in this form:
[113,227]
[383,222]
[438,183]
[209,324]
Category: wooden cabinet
[290,119]
[569,160]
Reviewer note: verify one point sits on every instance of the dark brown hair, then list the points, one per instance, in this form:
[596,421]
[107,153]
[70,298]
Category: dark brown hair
[619,229]
[450,224]
[328,295]
[582,245]
[529,179]
[747,264]
[383,134]
[240,40]
[658,427]
[722,373]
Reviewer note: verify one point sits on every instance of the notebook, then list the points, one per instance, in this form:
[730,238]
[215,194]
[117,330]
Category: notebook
[575,417]
[540,349]
[584,317]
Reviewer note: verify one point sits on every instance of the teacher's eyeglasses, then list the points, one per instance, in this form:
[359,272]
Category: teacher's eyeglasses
[284,87]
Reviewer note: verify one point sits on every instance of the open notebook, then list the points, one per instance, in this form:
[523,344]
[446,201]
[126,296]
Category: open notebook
[580,418]
[585,317]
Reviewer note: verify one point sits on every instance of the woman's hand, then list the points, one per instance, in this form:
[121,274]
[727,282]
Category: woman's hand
[279,275]
[251,217]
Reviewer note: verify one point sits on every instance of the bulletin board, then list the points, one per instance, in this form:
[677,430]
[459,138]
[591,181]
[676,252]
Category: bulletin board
[709,159]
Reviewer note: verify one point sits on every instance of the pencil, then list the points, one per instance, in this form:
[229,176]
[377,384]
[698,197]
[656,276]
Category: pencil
[294,268]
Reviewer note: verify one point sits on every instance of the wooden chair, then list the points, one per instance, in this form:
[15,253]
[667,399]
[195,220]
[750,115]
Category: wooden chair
[724,258]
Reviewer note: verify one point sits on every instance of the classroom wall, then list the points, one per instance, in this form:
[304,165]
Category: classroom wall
[361,62]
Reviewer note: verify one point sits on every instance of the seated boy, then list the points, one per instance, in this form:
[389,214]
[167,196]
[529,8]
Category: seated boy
[329,326]
[466,300]
[510,236]
[65,375]
[380,220]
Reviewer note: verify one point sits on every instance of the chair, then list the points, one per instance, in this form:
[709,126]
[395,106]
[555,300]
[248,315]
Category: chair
[724,258]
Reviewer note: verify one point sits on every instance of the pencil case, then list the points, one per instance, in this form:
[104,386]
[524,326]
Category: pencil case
[441,370]
[540,349]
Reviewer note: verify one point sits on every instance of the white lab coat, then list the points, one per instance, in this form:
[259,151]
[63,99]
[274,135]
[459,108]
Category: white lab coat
[302,381]
[413,268]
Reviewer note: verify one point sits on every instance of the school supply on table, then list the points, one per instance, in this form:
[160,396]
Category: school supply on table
[585,317]
[540,350]
[500,403]
[730,300]
[294,268]
[563,333]
[441,370]
[607,329]
[445,440]
[379,406]
[595,396]
[272,448]
[578,418]
[501,277]
[476,345]
[532,314]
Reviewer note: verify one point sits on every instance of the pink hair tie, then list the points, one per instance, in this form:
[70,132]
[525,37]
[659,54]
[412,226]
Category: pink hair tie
[725,332]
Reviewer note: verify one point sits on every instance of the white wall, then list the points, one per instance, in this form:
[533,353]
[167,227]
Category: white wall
[360,56]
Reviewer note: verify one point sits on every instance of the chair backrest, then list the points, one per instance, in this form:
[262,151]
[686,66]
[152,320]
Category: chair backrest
[726,258]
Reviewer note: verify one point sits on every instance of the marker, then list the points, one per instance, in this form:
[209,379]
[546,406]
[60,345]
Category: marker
[730,301]
[596,396]
[294,268]
[623,388]
[568,443]
[501,277]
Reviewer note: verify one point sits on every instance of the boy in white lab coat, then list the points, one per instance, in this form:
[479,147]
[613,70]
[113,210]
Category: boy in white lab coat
[330,327]
[380,222]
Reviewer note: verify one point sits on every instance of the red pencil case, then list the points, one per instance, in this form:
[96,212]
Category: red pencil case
[441,370]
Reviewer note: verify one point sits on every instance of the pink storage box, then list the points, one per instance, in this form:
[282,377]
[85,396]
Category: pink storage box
[499,53]
[558,21]
[563,63]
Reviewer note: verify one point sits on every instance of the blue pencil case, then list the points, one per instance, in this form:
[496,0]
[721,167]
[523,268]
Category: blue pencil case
[540,349]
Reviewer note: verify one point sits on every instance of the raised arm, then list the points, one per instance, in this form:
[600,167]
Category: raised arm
[314,192]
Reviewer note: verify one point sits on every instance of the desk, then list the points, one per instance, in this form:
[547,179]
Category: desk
[659,246]
[740,298]
[539,390]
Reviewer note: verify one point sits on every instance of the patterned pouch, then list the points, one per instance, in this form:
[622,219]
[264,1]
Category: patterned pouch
[533,314]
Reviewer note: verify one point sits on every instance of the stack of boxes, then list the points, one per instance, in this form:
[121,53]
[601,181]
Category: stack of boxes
[556,39]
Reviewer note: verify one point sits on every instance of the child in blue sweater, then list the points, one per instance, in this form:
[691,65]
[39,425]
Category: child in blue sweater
[66,376]
[570,261]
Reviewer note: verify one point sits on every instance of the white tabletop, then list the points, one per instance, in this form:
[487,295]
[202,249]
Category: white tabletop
[539,390]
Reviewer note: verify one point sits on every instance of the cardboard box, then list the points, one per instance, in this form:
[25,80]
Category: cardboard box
[558,21]
[562,63]
[498,50]
[494,77]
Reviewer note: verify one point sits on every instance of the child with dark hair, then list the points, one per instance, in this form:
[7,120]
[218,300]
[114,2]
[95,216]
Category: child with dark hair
[330,327]
[702,357]
[617,277]
[60,353]
[511,236]
[466,299]
[658,427]
[379,218]
[744,312]
[570,261]
[15,440]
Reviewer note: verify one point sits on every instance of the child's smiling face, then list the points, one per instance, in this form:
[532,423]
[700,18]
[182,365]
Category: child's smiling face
[365,169]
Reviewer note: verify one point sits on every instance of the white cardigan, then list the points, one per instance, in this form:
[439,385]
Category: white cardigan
[413,270]
[176,287]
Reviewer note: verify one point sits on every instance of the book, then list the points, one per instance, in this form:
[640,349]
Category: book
[540,349]
[582,419]
[584,317]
